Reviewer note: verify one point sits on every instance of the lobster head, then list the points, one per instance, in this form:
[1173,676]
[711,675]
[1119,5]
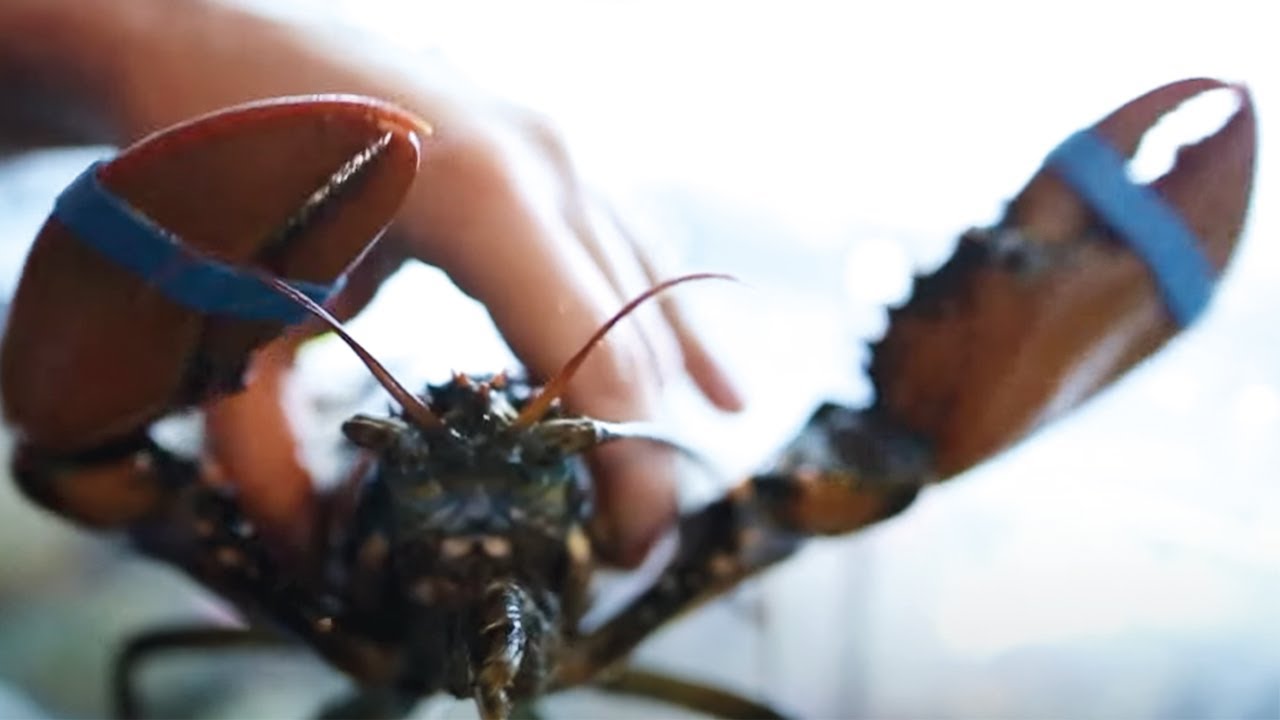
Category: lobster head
[474,495]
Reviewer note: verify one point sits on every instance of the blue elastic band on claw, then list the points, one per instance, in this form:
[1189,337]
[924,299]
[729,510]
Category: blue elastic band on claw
[1141,218]
[111,226]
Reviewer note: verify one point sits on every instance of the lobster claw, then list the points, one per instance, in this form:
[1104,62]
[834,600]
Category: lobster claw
[95,349]
[1209,184]
[1031,317]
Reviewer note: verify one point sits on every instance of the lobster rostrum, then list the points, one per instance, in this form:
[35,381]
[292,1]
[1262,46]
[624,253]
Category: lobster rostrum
[461,559]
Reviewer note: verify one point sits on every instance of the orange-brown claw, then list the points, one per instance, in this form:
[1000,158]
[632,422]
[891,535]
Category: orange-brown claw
[1210,184]
[1035,315]
[93,353]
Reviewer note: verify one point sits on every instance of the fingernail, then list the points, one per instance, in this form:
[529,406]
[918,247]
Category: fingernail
[724,392]
[714,380]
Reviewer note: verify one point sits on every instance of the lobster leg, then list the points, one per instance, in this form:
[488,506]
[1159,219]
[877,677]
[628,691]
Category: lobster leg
[175,639]
[369,704]
[364,703]
[1028,319]
[204,531]
[694,696]
[840,474]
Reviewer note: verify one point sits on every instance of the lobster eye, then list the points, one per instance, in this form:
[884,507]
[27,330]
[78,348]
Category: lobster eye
[427,490]
[372,433]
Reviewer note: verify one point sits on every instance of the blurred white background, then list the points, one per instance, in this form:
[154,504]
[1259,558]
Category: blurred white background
[1123,564]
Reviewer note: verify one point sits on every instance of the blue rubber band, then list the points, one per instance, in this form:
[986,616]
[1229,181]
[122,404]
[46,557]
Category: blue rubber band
[1142,219]
[107,223]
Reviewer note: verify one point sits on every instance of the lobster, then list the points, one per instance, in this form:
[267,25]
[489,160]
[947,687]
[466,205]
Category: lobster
[463,558]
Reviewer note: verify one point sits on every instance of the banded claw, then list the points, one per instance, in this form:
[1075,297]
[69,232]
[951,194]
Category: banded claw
[1032,317]
[1027,320]
[93,352]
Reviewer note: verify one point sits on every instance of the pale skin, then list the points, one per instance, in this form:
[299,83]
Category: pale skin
[496,205]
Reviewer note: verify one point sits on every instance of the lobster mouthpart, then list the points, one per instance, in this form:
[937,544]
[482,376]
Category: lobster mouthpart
[94,351]
[1033,316]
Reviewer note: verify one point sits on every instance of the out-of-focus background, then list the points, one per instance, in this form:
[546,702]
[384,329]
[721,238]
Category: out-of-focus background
[1123,564]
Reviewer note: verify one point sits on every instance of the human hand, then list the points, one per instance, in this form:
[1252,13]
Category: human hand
[497,206]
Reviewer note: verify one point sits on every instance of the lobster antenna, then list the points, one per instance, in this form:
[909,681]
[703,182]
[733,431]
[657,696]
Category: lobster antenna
[414,408]
[536,408]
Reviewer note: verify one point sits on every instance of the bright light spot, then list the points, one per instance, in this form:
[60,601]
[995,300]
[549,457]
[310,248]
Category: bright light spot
[1174,390]
[1196,119]
[1257,406]
[877,270]
[1052,599]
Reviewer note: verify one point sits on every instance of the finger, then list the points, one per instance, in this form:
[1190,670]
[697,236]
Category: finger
[252,442]
[581,214]
[708,373]
[635,497]
[614,256]
[631,474]
[474,218]
[598,234]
